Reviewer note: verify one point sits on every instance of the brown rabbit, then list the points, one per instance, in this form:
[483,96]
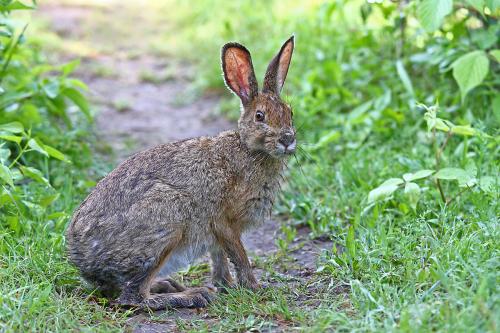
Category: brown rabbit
[164,207]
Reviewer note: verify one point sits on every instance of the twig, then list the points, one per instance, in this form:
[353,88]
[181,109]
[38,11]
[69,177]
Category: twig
[459,194]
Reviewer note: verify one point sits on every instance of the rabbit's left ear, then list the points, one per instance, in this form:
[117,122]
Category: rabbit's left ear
[278,68]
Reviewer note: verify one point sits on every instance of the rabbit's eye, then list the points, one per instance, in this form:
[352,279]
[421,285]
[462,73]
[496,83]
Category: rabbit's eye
[259,116]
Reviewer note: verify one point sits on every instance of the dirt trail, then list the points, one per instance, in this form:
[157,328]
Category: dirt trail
[143,101]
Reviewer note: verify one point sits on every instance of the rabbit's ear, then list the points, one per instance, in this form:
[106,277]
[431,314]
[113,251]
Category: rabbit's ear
[238,71]
[278,68]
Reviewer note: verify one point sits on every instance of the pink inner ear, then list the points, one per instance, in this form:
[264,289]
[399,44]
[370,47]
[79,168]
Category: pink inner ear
[284,63]
[242,83]
[238,71]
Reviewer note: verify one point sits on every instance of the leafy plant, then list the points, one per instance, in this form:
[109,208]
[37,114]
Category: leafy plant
[38,104]
[467,179]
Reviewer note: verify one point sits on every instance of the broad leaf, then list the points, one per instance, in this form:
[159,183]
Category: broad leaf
[463,130]
[13,127]
[493,4]
[4,155]
[55,153]
[460,175]
[33,144]
[34,174]
[408,177]
[412,192]
[6,175]
[14,5]
[477,4]
[13,138]
[51,89]
[470,70]
[451,174]
[495,54]
[432,12]
[48,200]
[69,67]
[80,100]
[384,190]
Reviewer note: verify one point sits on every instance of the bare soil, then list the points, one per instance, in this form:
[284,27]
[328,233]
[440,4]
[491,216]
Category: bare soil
[143,101]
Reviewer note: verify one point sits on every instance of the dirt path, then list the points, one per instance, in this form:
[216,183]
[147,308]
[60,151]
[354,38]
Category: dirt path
[143,101]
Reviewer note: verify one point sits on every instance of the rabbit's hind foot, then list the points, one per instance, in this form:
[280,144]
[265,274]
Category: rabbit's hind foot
[166,286]
[190,298]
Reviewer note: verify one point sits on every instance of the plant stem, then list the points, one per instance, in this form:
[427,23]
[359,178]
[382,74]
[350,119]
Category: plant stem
[445,142]
[11,52]
[21,152]
[438,158]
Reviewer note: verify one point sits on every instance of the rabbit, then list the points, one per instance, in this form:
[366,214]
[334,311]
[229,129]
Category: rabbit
[164,207]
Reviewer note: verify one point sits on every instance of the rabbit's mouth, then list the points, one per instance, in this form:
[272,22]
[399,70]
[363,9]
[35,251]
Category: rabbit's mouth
[285,149]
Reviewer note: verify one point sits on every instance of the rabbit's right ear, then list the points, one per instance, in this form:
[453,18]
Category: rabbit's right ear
[238,71]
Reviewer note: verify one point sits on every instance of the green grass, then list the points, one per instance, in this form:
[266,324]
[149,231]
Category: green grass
[392,268]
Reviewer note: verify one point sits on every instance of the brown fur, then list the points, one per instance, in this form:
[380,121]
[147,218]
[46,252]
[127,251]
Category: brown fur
[170,204]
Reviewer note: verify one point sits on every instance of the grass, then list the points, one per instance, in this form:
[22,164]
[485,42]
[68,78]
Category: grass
[391,268]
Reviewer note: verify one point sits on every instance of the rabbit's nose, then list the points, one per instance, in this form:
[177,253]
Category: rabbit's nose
[287,139]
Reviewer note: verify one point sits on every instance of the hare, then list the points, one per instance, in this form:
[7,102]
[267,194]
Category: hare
[164,207]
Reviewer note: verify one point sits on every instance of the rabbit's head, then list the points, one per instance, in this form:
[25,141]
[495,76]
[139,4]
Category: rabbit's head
[265,124]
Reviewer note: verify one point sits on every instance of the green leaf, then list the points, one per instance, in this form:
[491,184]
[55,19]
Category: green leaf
[432,12]
[493,4]
[35,145]
[403,75]
[51,89]
[4,155]
[14,224]
[462,176]
[477,4]
[14,5]
[450,173]
[13,138]
[48,200]
[408,177]
[487,184]
[6,175]
[495,54]
[350,242]
[384,190]
[13,127]
[412,192]
[55,153]
[463,130]
[470,70]
[69,67]
[34,174]
[80,100]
